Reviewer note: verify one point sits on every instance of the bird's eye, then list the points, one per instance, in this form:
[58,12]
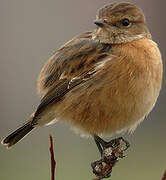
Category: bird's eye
[125,22]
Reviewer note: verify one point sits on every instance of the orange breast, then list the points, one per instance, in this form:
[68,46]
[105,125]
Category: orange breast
[121,94]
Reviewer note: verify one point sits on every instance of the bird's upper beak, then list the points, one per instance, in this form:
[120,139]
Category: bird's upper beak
[100,22]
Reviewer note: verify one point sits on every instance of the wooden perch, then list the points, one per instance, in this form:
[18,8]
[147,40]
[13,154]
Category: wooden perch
[53,162]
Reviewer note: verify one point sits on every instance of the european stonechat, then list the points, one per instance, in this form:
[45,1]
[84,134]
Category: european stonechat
[103,81]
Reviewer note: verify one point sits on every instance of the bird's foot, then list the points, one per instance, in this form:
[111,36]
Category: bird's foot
[102,169]
[110,153]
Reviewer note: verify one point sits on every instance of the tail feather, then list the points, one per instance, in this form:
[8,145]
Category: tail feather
[18,134]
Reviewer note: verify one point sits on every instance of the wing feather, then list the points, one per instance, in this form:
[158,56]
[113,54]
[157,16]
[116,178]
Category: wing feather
[71,60]
[73,64]
[58,91]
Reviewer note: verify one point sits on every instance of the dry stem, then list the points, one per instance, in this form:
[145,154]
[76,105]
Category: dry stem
[53,163]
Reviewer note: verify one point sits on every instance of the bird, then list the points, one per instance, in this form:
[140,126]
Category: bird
[102,82]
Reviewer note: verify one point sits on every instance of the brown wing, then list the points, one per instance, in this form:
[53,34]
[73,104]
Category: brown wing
[73,64]
[74,58]
[58,91]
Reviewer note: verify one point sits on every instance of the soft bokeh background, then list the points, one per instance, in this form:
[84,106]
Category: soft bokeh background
[30,30]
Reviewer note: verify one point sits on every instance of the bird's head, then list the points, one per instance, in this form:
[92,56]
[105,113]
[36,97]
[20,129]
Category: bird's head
[120,23]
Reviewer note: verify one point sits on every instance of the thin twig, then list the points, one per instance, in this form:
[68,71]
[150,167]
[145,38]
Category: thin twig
[53,163]
[164,176]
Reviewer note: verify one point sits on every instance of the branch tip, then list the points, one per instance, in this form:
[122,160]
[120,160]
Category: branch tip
[53,162]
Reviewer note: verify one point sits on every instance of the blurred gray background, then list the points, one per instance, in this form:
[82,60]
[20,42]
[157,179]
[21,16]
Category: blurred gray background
[30,31]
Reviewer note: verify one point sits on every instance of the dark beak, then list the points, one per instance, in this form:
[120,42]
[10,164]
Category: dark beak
[99,23]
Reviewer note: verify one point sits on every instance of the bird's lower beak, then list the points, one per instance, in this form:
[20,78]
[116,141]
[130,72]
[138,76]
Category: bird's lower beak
[100,23]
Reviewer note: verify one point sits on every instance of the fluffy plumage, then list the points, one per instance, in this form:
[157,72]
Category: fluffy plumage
[102,81]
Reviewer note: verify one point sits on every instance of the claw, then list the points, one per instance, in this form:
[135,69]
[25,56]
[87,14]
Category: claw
[110,153]
[97,167]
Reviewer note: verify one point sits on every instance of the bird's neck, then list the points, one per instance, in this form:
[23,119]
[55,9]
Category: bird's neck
[116,38]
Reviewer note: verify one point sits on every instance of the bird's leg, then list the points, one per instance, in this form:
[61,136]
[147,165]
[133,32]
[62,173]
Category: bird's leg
[114,143]
[110,152]
[100,143]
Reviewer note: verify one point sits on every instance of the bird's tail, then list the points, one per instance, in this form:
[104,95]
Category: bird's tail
[18,134]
